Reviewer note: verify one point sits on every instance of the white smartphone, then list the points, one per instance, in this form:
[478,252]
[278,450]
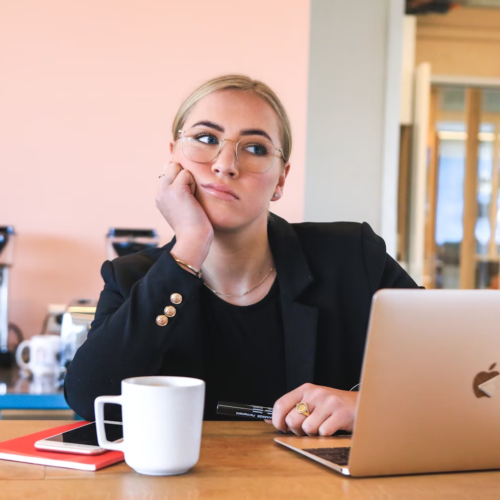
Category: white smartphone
[82,440]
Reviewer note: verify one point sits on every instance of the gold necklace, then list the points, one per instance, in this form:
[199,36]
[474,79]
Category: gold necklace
[248,291]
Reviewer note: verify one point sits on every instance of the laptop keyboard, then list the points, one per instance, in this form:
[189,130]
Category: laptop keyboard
[339,456]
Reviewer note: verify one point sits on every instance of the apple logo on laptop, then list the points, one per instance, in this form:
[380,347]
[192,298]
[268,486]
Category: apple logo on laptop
[481,378]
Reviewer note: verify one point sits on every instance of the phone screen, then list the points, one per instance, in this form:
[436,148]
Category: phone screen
[87,434]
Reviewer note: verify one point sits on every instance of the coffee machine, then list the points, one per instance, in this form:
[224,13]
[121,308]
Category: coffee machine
[7,236]
[126,241]
[79,314]
[75,326]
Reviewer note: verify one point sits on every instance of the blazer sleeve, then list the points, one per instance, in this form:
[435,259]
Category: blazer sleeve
[382,270]
[124,340]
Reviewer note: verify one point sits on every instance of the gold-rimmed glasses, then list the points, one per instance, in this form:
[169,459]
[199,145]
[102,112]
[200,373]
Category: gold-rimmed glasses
[254,153]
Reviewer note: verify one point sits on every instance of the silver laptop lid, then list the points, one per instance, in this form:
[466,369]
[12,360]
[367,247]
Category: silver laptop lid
[420,407]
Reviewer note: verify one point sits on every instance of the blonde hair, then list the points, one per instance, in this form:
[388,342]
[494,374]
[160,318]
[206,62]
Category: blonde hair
[243,83]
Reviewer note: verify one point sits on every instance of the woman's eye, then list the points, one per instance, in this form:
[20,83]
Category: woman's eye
[257,149]
[207,139]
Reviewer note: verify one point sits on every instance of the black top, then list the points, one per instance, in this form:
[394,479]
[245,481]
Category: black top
[244,352]
[327,274]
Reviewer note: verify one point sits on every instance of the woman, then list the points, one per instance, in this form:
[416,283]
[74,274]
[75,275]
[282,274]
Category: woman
[266,312]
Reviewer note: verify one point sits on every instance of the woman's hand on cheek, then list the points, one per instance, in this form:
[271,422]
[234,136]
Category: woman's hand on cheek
[330,410]
[176,201]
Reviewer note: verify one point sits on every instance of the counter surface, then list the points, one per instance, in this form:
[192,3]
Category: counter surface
[18,392]
[239,460]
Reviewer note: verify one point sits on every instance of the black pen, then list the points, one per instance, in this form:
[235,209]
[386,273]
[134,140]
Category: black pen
[257,412]
[243,410]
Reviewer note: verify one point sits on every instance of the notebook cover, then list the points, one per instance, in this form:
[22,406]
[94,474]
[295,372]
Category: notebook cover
[22,449]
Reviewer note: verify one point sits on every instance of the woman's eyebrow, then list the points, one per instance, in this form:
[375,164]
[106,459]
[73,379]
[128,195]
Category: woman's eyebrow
[256,131]
[207,123]
[250,131]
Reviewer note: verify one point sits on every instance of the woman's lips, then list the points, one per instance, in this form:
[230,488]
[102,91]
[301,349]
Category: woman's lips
[220,191]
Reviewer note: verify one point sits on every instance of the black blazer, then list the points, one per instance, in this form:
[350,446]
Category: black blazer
[327,273]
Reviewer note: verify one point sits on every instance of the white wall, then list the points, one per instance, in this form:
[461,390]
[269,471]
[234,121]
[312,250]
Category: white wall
[353,113]
[408,70]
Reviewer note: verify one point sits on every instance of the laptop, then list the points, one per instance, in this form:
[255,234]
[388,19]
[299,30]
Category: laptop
[429,399]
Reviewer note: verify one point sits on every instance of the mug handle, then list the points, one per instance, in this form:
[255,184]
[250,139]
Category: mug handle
[19,355]
[99,422]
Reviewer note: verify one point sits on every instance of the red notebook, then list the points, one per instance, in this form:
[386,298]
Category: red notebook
[23,449]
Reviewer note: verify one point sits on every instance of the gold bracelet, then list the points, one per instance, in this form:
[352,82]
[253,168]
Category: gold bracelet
[195,271]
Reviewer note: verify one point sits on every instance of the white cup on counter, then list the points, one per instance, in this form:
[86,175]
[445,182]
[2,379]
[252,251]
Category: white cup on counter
[162,423]
[44,354]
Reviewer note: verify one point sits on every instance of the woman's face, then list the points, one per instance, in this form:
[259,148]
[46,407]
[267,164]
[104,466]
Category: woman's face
[230,114]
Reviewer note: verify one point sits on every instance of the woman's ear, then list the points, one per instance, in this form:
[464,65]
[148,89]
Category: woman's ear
[281,183]
[283,176]
[171,147]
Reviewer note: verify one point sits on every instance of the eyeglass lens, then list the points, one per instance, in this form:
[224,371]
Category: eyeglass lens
[254,153]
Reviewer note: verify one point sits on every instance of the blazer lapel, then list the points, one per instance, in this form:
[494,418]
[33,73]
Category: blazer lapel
[300,321]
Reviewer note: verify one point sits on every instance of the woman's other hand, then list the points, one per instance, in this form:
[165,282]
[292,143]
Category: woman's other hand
[175,199]
[330,410]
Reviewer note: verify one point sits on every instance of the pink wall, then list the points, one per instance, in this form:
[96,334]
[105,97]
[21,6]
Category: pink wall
[87,96]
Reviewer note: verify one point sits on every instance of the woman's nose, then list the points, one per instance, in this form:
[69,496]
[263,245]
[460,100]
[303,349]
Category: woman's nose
[226,162]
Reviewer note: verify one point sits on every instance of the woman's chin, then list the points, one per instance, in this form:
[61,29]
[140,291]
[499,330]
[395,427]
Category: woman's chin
[227,219]
[228,216]
[226,222]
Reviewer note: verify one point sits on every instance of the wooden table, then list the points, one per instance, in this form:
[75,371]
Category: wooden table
[239,460]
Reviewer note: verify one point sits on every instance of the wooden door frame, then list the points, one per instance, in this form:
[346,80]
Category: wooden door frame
[429,276]
[468,246]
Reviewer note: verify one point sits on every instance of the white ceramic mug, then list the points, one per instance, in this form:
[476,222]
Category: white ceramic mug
[44,355]
[162,423]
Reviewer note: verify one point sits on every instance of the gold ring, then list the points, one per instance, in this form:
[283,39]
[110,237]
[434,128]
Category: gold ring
[160,176]
[302,408]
